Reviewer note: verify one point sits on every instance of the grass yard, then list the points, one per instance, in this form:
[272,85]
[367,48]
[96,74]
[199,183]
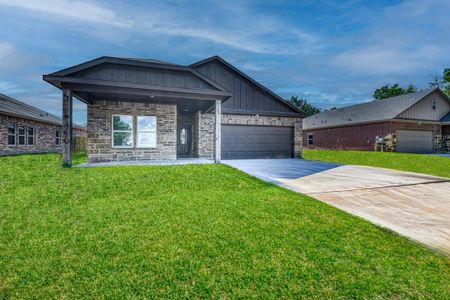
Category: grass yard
[420,163]
[197,231]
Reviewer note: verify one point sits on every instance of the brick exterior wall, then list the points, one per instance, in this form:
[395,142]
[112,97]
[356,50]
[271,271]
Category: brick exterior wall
[44,139]
[205,135]
[100,127]
[206,124]
[360,137]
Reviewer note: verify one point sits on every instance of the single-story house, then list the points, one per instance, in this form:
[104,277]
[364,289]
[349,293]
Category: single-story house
[416,123]
[27,129]
[144,109]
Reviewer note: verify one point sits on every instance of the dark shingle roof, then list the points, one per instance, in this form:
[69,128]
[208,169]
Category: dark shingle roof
[446,118]
[14,107]
[376,110]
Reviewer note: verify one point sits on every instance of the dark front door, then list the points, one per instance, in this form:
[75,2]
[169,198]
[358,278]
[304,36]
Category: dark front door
[184,140]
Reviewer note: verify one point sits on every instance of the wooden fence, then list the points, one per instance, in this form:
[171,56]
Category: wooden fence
[79,144]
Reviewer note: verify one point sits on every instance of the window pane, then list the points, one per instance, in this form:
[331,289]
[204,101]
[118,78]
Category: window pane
[22,130]
[11,140]
[122,123]
[11,129]
[123,139]
[57,133]
[146,139]
[30,131]
[21,140]
[30,140]
[183,139]
[146,123]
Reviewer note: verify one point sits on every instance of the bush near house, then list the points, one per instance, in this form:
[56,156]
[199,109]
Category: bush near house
[197,231]
[419,163]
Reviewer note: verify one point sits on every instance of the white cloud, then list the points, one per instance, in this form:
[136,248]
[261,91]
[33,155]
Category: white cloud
[239,33]
[6,49]
[80,10]
[386,59]
[7,87]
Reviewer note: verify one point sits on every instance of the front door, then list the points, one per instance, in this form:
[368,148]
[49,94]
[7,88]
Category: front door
[184,140]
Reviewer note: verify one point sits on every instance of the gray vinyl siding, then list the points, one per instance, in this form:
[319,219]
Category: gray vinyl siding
[423,110]
[141,75]
[246,97]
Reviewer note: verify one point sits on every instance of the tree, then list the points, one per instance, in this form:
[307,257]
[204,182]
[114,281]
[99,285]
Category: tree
[306,108]
[388,91]
[442,82]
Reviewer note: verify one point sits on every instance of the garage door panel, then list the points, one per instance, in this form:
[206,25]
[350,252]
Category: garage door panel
[414,141]
[239,141]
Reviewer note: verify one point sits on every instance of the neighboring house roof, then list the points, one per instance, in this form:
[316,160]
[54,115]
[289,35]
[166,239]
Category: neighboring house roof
[13,107]
[376,110]
[260,86]
[446,118]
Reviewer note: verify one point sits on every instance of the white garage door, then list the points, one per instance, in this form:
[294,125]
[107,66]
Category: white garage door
[414,141]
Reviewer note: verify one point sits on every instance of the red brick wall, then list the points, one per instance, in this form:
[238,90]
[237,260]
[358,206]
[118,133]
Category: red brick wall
[358,137]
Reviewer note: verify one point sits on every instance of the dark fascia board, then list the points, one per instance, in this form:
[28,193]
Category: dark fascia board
[260,86]
[61,81]
[131,62]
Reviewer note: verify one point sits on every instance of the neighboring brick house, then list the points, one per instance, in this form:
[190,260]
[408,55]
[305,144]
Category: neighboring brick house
[143,109]
[27,129]
[417,123]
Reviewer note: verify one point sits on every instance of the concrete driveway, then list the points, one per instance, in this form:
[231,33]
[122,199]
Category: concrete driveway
[414,205]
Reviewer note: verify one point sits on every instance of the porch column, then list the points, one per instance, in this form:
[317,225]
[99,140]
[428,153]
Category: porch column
[218,132]
[67,112]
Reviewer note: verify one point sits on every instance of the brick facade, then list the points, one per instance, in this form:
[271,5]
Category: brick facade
[360,137]
[44,139]
[206,124]
[100,128]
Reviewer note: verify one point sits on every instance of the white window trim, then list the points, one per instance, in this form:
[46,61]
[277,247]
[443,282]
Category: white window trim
[113,131]
[25,129]
[146,131]
[34,135]
[9,134]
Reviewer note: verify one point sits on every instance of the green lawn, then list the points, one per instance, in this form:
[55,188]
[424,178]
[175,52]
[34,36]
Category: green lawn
[197,231]
[420,163]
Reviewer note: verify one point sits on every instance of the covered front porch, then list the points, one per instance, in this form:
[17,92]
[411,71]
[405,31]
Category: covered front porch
[139,110]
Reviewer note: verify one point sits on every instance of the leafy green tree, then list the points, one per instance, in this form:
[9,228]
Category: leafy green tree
[306,108]
[388,91]
[442,82]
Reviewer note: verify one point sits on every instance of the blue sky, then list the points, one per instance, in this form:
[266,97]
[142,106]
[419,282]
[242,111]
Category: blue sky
[333,53]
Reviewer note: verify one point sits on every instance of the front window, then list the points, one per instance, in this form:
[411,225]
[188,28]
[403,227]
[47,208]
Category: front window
[30,136]
[122,131]
[310,139]
[21,135]
[146,131]
[12,135]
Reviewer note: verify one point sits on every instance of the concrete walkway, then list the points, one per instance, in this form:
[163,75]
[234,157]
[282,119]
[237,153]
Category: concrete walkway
[414,205]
